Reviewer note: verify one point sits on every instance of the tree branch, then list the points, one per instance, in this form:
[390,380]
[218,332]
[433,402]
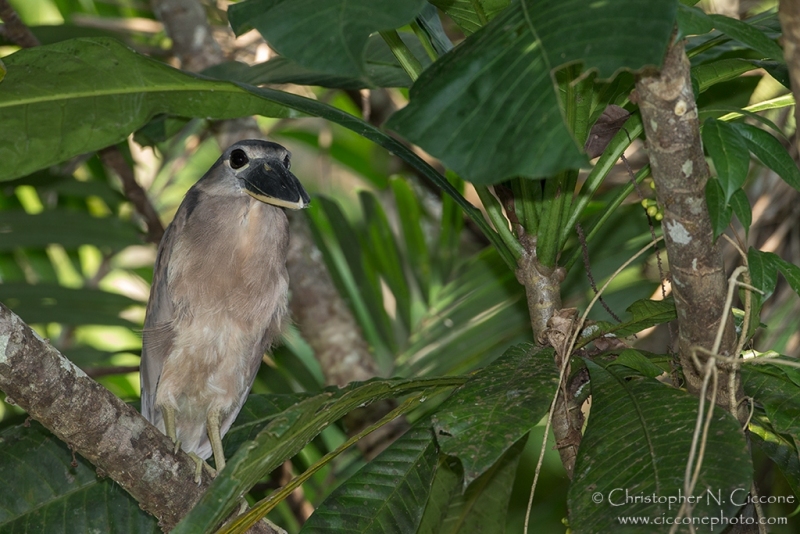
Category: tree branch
[15,30]
[680,172]
[97,425]
[113,159]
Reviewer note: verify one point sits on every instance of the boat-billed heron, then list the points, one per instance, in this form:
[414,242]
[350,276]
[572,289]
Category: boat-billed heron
[219,296]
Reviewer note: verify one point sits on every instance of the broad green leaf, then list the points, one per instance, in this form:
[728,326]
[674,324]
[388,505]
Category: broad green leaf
[500,404]
[781,451]
[471,15]
[47,488]
[257,413]
[68,228]
[770,386]
[78,96]
[324,35]
[387,495]
[708,74]
[381,69]
[645,313]
[748,35]
[446,487]
[729,152]
[489,109]
[284,437]
[741,208]
[630,446]
[771,152]
[105,91]
[718,210]
[762,271]
[484,505]
[50,303]
[692,21]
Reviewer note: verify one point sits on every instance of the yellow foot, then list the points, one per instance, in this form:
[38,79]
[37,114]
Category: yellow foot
[199,465]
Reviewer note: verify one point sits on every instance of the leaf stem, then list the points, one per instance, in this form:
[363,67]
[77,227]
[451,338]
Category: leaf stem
[407,60]
[495,213]
[426,42]
[612,207]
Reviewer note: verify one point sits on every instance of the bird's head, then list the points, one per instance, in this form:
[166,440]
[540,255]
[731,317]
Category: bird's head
[261,169]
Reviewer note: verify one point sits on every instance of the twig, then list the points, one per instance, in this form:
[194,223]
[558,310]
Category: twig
[15,30]
[113,158]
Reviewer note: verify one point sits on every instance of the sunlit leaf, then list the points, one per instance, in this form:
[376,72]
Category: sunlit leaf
[471,15]
[79,96]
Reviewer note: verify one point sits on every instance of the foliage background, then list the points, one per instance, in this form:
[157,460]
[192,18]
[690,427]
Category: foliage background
[430,296]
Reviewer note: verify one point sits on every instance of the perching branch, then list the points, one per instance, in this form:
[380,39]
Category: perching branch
[95,423]
[680,172]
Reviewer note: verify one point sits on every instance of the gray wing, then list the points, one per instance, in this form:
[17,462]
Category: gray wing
[157,335]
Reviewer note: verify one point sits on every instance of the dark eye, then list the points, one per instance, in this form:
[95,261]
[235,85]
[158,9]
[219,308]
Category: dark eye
[287,162]
[238,159]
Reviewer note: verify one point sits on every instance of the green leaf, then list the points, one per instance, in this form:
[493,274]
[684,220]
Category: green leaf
[489,109]
[771,153]
[763,272]
[692,21]
[446,487]
[68,228]
[50,303]
[284,437]
[781,451]
[500,403]
[386,495]
[451,336]
[791,272]
[78,96]
[645,312]
[323,35]
[770,386]
[729,152]
[741,208]
[629,446]
[381,69]
[411,222]
[380,246]
[636,360]
[718,210]
[748,35]
[709,74]
[484,506]
[106,91]
[471,15]
[47,488]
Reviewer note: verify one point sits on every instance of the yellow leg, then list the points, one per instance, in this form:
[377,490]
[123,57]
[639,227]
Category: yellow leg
[212,426]
[169,425]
